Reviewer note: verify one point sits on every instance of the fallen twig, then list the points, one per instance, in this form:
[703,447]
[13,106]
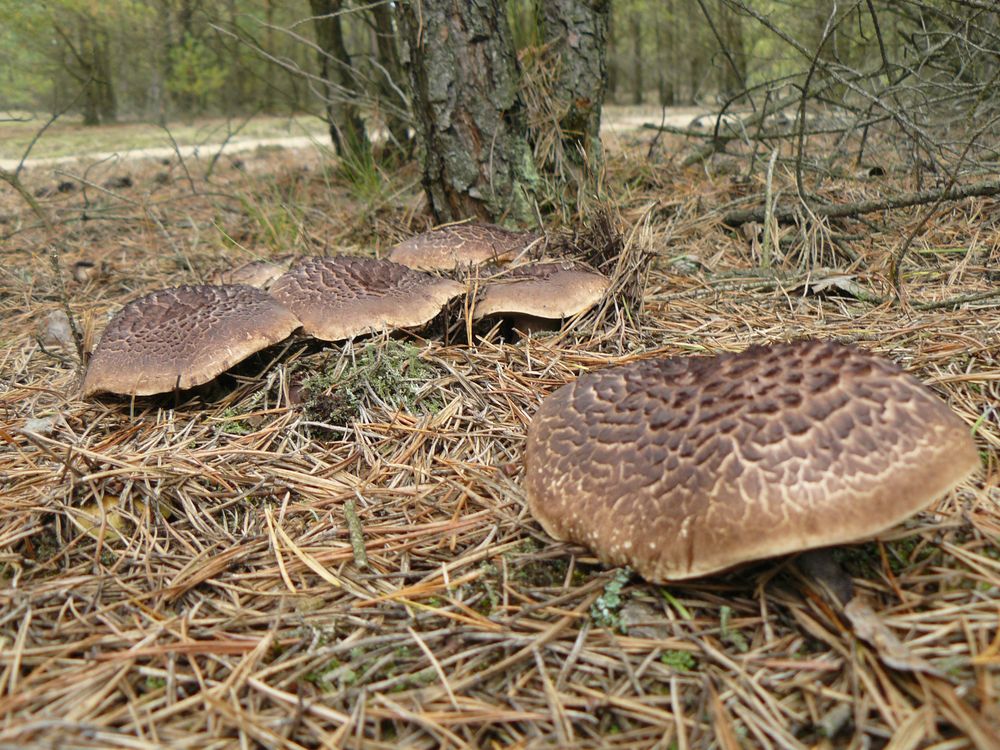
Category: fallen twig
[790,214]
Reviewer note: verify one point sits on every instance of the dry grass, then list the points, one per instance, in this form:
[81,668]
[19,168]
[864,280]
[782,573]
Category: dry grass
[220,603]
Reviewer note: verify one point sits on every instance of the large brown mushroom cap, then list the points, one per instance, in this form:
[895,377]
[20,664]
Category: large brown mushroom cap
[543,290]
[685,466]
[183,337]
[451,247]
[339,297]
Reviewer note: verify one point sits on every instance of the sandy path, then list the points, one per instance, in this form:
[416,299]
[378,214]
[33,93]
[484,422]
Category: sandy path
[205,151]
[616,120]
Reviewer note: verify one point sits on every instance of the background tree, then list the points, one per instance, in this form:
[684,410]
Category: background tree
[575,34]
[472,126]
[393,102]
[347,128]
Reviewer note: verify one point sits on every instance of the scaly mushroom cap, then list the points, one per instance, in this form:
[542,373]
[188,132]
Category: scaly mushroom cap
[686,466]
[544,290]
[258,273]
[451,247]
[339,297]
[183,337]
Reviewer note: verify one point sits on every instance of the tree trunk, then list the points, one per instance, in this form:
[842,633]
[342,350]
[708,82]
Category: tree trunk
[105,82]
[612,54]
[665,54]
[576,33]
[267,101]
[235,73]
[390,77]
[347,129]
[471,118]
[638,63]
[733,70]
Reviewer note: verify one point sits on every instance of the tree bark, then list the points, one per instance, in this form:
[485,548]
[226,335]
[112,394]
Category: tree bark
[576,34]
[347,129]
[471,121]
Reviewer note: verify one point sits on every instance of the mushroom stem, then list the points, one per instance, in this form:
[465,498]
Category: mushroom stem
[819,567]
[526,324]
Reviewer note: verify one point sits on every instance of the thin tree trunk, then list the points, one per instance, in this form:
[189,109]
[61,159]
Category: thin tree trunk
[347,129]
[389,76]
[733,71]
[105,83]
[576,32]
[267,103]
[235,73]
[664,55]
[471,120]
[638,63]
[612,54]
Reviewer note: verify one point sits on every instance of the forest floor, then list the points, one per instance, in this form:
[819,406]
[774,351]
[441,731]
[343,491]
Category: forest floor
[217,600]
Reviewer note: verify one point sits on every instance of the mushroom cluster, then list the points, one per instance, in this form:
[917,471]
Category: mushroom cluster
[182,337]
[339,297]
[686,466]
[532,295]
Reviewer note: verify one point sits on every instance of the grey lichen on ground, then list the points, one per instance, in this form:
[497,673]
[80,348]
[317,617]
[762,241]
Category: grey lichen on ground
[390,375]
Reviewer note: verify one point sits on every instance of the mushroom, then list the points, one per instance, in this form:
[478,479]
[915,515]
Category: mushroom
[458,245]
[340,297]
[84,271]
[184,336]
[686,466]
[258,273]
[538,293]
[58,331]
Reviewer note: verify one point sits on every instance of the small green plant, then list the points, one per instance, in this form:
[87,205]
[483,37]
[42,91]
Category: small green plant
[332,676]
[731,635]
[359,170]
[682,661]
[605,610]
[233,425]
[675,603]
[274,221]
[488,583]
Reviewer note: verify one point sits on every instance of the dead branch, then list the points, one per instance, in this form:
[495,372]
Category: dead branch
[790,214]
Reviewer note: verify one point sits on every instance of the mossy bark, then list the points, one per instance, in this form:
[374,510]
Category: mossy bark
[576,35]
[471,122]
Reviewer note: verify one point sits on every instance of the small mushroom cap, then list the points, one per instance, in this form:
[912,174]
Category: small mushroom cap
[258,273]
[340,297]
[451,247]
[545,290]
[183,337]
[686,466]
